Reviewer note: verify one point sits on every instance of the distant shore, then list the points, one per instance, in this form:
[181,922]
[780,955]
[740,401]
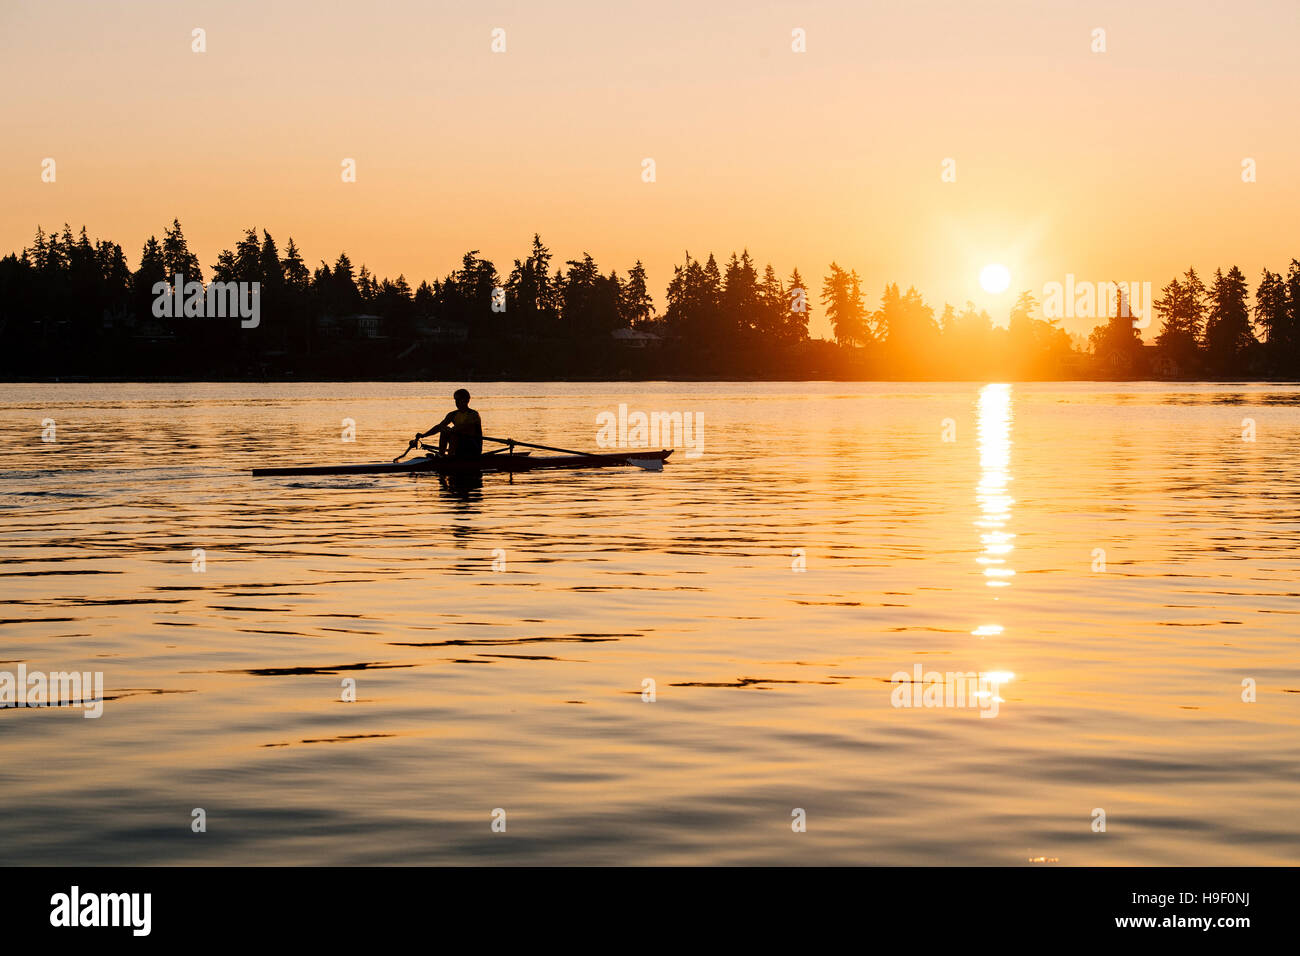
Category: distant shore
[72,309]
[82,380]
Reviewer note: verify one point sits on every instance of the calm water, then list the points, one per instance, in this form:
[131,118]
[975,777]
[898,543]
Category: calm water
[520,686]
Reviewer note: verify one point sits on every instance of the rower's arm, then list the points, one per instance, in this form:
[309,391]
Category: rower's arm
[441,426]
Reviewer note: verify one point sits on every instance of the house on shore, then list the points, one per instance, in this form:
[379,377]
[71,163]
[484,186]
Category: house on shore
[441,331]
[357,325]
[635,339]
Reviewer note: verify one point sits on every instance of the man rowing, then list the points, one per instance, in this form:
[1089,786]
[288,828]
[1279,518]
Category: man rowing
[460,434]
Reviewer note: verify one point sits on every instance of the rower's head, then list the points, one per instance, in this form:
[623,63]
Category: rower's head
[461,398]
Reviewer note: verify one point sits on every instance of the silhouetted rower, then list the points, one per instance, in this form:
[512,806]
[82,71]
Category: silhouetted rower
[460,434]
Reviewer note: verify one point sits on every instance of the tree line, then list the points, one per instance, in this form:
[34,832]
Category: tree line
[73,307]
[1214,332]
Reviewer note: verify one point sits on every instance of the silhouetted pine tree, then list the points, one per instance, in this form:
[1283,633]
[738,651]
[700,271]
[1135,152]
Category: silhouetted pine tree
[531,295]
[769,313]
[152,270]
[1229,338]
[637,308]
[1291,361]
[296,275]
[842,295]
[343,296]
[798,308]
[694,304]
[1181,306]
[1117,344]
[177,258]
[740,298]
[248,258]
[1273,318]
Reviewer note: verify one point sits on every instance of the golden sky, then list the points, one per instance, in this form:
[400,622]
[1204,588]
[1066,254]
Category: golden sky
[1122,165]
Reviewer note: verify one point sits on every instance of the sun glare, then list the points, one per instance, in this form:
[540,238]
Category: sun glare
[995,278]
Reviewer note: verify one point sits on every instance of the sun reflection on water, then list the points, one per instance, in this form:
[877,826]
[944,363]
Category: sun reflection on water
[994,430]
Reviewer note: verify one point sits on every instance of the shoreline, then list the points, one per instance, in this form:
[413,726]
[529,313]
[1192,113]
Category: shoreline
[685,379]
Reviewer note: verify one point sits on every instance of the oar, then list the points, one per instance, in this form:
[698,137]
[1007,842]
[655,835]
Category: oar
[413,442]
[649,464]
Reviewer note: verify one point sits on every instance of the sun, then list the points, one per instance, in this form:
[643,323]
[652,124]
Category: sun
[995,278]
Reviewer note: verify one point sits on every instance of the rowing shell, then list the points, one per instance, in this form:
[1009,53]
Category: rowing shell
[442,464]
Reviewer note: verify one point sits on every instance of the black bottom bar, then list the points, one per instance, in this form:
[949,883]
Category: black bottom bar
[626,906]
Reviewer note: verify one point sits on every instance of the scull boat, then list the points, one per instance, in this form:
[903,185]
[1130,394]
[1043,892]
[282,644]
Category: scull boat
[505,459]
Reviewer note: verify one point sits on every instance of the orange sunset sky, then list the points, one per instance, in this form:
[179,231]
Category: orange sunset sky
[1121,165]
